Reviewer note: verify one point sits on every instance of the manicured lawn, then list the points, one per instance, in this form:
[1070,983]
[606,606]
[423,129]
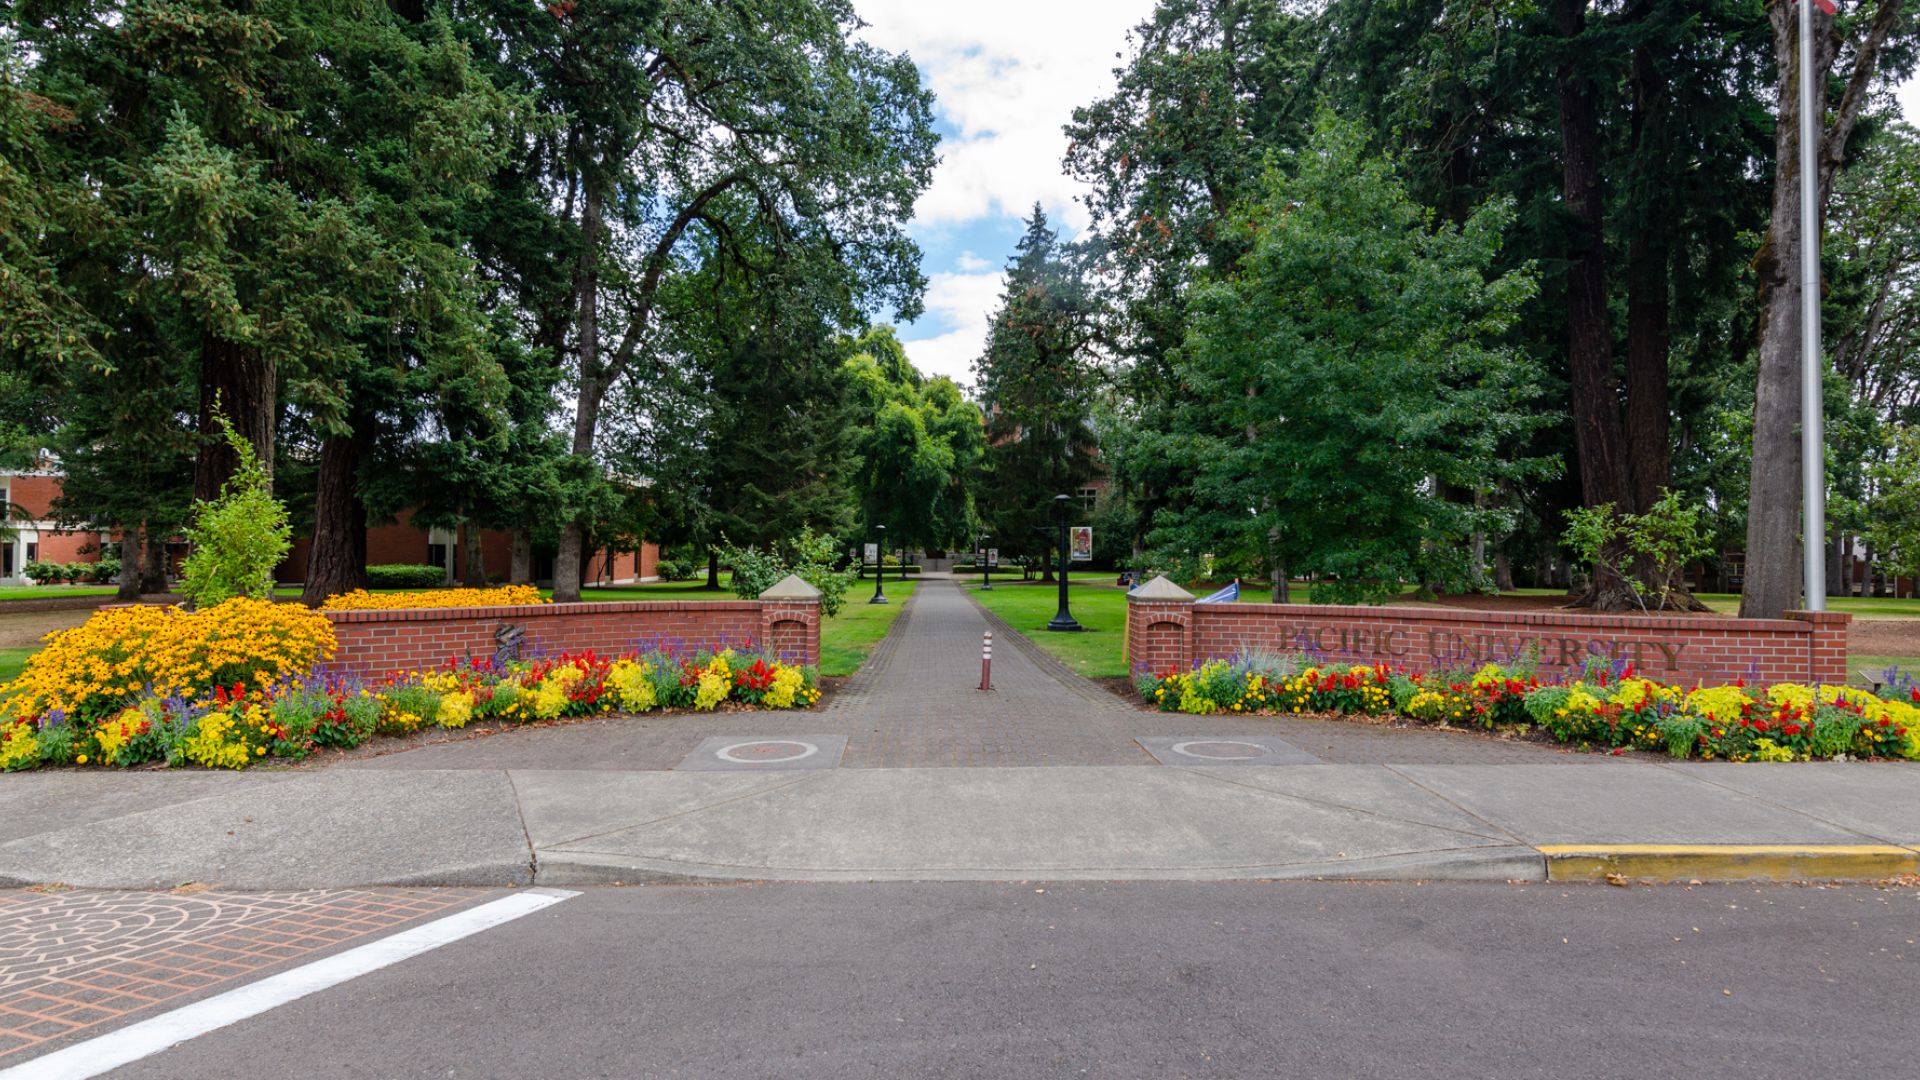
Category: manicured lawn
[847,639]
[1099,653]
[11,662]
[43,592]
[657,590]
[1860,607]
[1874,666]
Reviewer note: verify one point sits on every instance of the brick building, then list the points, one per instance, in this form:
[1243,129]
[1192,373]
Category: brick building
[41,539]
[403,542]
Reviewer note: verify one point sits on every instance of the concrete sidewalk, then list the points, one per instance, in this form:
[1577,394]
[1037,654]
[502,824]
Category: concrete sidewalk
[1501,822]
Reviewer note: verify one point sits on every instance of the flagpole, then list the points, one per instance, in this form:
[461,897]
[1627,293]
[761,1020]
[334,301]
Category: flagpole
[1813,465]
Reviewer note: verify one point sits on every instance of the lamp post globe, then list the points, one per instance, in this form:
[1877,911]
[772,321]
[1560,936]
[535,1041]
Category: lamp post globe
[880,566]
[1063,619]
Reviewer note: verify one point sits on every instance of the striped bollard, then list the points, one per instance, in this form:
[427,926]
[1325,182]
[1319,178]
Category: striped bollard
[986,661]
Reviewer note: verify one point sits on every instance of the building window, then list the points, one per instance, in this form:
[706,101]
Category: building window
[33,551]
[6,560]
[1089,496]
[437,555]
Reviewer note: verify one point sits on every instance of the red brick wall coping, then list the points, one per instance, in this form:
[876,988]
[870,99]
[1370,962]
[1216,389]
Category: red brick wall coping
[378,641]
[1167,635]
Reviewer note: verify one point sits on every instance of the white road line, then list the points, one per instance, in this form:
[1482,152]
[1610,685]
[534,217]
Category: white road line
[148,1037]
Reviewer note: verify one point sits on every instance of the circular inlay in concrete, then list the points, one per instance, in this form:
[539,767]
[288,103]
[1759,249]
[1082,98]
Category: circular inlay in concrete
[746,753]
[1221,749]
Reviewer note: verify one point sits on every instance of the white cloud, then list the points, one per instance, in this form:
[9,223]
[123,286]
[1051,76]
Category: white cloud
[1909,95]
[964,303]
[971,263]
[1007,74]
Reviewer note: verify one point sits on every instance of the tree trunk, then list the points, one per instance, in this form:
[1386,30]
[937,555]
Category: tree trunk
[521,571]
[336,556]
[713,569]
[1502,572]
[1773,578]
[1838,570]
[1648,422]
[476,561]
[1597,436]
[153,568]
[590,389]
[566,590]
[129,579]
[235,381]
[1773,572]
[1282,590]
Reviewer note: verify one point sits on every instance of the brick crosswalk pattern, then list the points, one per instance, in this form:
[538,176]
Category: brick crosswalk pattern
[70,961]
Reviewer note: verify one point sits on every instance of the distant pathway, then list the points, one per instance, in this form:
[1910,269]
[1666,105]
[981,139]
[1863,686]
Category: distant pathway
[916,703]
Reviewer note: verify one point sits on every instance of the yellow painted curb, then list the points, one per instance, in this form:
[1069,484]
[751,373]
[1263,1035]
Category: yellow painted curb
[1728,862]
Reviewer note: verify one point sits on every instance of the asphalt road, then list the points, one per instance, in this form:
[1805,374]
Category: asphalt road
[1136,980]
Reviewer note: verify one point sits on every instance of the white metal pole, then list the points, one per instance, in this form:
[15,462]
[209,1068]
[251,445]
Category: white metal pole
[1813,466]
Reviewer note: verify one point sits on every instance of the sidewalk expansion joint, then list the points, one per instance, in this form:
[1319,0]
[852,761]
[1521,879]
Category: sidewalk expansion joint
[1694,774]
[1482,819]
[1499,837]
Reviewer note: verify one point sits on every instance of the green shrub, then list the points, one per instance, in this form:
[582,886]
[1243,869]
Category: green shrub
[810,555]
[239,536]
[405,576]
[44,573]
[675,570]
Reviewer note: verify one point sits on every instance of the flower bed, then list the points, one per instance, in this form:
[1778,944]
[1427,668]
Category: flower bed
[1606,707]
[242,682]
[122,653]
[502,596]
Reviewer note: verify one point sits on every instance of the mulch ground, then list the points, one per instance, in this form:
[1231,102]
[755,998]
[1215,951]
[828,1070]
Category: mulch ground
[1884,637]
[24,629]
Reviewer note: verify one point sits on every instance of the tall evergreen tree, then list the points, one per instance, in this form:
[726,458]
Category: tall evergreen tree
[1037,380]
[1344,373]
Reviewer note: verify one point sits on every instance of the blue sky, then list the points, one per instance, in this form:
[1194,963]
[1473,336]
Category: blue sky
[1006,75]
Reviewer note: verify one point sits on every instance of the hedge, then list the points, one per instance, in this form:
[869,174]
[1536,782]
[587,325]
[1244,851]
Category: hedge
[405,576]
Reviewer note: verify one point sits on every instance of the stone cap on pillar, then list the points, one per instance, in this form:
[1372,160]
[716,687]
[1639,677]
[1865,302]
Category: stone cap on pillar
[791,587]
[1162,590]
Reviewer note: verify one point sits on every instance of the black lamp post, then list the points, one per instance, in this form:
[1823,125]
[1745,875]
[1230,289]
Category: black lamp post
[880,567]
[986,567]
[1063,619]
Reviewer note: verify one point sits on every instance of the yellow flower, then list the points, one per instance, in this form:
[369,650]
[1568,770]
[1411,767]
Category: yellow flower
[503,596]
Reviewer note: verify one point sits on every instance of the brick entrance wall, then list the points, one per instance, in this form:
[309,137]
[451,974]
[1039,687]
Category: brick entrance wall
[1172,635]
[375,642]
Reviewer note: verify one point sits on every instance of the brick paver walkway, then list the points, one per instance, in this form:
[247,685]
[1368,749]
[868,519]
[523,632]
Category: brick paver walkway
[72,960]
[917,701]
